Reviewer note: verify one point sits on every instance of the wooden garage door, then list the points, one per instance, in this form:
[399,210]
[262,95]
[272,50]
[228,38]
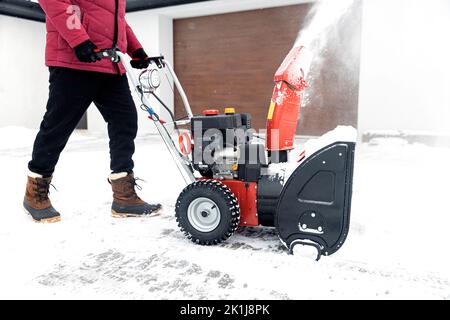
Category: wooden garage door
[230,60]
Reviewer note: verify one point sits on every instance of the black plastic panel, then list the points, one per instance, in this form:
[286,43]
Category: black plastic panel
[316,200]
[252,159]
[269,190]
[219,122]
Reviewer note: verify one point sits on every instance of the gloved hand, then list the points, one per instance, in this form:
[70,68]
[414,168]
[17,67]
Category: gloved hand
[85,51]
[139,59]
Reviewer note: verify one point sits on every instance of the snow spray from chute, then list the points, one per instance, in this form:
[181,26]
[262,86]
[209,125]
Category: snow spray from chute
[292,77]
[323,16]
[316,34]
[306,195]
[307,56]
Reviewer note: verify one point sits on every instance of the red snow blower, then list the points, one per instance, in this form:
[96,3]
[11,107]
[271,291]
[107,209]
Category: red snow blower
[232,180]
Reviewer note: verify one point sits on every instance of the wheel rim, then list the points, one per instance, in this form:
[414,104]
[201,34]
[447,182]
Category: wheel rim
[204,214]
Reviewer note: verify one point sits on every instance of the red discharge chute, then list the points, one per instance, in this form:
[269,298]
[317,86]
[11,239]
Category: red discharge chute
[284,108]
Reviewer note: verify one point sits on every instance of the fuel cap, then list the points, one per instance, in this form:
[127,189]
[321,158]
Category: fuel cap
[211,112]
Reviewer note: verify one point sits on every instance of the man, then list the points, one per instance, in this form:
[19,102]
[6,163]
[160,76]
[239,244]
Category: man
[76,29]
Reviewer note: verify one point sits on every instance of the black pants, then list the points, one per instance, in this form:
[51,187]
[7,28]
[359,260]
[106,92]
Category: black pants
[71,93]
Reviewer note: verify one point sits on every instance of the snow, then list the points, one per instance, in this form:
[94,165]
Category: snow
[396,246]
[341,134]
[324,16]
[302,152]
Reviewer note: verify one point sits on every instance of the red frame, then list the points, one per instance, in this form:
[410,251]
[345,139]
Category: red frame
[246,193]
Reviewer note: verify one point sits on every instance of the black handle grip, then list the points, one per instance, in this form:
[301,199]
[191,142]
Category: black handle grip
[159,61]
[112,55]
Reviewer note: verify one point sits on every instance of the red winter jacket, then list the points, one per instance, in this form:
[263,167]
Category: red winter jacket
[71,22]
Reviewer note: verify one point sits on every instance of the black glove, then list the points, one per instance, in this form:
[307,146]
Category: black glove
[86,52]
[140,60]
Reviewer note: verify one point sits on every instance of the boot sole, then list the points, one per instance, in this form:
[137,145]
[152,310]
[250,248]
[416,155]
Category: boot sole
[49,220]
[44,221]
[118,215]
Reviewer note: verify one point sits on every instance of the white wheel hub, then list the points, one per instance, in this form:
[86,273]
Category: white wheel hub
[204,214]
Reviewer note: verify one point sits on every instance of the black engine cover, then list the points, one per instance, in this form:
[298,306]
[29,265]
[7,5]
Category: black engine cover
[315,202]
[213,133]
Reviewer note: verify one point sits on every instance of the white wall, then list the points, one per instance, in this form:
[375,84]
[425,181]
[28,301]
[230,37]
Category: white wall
[405,66]
[23,75]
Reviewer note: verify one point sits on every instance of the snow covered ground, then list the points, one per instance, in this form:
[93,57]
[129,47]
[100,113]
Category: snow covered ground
[397,246]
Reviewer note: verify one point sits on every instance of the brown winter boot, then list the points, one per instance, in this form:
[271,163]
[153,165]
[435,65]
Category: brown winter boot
[126,202]
[36,201]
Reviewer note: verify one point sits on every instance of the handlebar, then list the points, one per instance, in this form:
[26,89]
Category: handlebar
[112,54]
[115,55]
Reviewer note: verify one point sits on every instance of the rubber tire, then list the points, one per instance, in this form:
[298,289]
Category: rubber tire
[226,202]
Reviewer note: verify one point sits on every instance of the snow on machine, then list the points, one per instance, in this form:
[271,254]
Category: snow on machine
[235,180]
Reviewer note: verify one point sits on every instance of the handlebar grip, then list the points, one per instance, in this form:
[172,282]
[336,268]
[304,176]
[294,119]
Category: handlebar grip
[159,61]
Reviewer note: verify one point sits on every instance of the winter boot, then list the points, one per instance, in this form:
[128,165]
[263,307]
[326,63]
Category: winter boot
[126,202]
[36,201]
